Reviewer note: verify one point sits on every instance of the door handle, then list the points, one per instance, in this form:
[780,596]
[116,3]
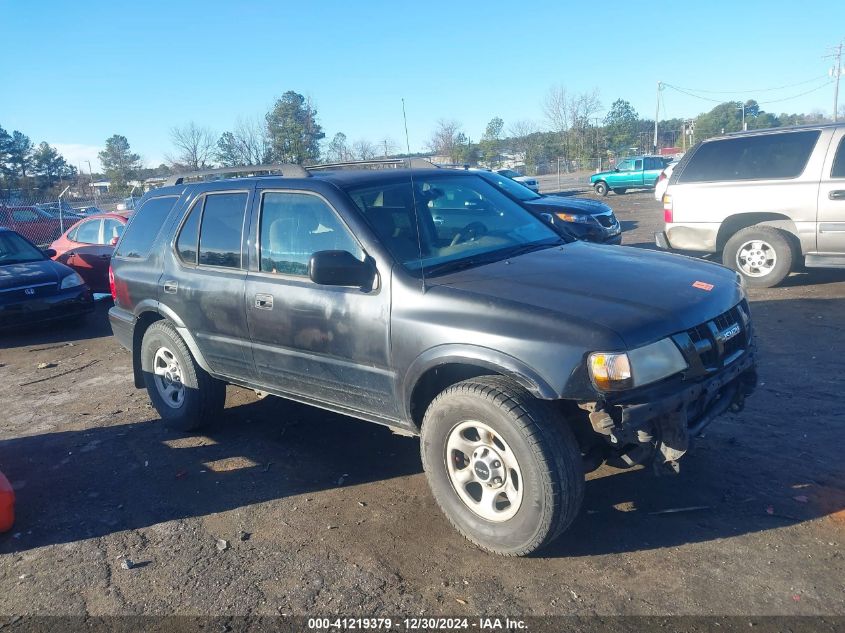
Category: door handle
[170,287]
[264,302]
[837,194]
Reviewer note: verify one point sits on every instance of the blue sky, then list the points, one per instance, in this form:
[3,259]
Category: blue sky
[75,73]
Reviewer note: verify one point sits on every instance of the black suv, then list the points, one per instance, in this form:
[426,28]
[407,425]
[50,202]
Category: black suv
[522,359]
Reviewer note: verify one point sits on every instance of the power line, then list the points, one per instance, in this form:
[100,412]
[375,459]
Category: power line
[754,90]
[710,99]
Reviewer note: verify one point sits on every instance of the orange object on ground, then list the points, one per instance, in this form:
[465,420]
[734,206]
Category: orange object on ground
[7,504]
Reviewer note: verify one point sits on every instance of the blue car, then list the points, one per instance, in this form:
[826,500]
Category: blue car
[585,219]
[34,288]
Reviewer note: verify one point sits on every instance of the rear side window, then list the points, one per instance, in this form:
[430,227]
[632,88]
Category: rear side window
[768,156]
[112,229]
[221,230]
[144,226]
[189,236]
[838,170]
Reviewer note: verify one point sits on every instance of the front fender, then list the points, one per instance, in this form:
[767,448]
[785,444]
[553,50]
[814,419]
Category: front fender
[474,355]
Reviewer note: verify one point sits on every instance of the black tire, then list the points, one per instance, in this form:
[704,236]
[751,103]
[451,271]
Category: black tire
[204,397]
[601,188]
[620,191]
[775,241]
[544,446]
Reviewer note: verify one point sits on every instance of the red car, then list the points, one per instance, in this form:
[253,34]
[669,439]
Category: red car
[35,225]
[88,245]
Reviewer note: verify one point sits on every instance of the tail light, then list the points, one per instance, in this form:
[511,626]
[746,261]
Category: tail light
[662,176]
[112,288]
[668,210]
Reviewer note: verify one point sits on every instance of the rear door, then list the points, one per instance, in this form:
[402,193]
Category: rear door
[326,343]
[203,281]
[831,209]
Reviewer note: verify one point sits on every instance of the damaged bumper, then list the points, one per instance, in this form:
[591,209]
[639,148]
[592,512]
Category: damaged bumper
[657,425]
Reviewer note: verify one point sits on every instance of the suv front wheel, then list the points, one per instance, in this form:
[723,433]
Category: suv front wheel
[505,472]
[601,188]
[763,255]
[183,393]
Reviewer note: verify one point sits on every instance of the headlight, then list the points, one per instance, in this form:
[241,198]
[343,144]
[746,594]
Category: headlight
[71,281]
[579,218]
[616,371]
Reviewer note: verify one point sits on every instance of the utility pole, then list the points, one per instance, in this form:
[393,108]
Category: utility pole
[93,188]
[656,117]
[836,72]
[741,106]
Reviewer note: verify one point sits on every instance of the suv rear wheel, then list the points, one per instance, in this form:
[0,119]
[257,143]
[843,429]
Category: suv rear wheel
[507,475]
[601,188]
[183,393]
[762,254]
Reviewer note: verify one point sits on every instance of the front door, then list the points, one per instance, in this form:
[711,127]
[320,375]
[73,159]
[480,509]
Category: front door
[327,343]
[831,210]
[623,178]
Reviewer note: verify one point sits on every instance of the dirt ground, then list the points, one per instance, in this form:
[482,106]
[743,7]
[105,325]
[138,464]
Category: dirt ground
[326,515]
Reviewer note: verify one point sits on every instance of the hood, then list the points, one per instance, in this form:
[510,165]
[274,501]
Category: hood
[640,295]
[565,203]
[31,274]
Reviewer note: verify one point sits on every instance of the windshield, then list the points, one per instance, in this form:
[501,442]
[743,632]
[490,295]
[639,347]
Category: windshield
[463,221]
[511,187]
[16,250]
[510,173]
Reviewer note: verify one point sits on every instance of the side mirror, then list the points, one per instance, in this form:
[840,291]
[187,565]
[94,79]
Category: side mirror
[340,268]
[548,218]
[49,253]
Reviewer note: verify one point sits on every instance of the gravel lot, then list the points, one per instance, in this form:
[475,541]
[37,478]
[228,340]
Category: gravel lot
[326,515]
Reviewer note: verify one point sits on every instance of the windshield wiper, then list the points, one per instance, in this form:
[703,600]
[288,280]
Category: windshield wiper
[528,248]
[489,258]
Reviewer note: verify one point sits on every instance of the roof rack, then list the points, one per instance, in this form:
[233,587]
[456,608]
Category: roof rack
[392,163]
[288,170]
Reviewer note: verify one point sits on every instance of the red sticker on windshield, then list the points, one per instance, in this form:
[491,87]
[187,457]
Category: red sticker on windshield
[702,285]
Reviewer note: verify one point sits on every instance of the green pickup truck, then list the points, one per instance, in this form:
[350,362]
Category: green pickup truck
[636,172]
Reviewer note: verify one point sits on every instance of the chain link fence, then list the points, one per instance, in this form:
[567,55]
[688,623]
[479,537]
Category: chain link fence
[42,219]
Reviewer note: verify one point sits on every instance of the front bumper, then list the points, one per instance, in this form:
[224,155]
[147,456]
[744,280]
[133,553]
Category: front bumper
[658,423]
[64,304]
[593,232]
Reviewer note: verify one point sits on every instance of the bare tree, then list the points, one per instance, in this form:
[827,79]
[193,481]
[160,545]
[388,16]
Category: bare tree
[556,108]
[195,146]
[363,149]
[520,140]
[444,140]
[252,139]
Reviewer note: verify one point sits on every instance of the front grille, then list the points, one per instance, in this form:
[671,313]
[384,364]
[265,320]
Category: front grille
[606,220]
[717,343]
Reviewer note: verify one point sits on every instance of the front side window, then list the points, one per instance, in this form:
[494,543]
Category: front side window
[761,157]
[625,165]
[144,227]
[294,226]
[460,219]
[221,230]
[88,232]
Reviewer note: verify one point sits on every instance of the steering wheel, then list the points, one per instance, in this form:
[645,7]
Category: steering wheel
[469,233]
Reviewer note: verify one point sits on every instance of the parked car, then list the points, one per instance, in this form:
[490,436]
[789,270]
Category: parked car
[636,172]
[34,224]
[88,210]
[33,288]
[56,210]
[521,358]
[663,181]
[527,181]
[87,247]
[767,200]
[585,219]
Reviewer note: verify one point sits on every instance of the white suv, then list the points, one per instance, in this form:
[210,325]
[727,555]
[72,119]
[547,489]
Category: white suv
[764,199]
